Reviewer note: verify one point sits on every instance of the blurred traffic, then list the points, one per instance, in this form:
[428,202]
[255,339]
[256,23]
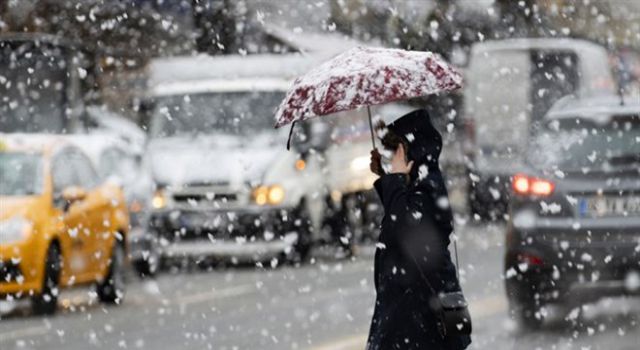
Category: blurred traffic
[60,227]
[121,173]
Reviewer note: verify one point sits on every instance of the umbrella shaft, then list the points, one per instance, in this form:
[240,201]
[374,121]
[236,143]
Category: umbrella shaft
[373,139]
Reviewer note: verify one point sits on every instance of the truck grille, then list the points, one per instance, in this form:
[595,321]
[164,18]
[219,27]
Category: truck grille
[205,197]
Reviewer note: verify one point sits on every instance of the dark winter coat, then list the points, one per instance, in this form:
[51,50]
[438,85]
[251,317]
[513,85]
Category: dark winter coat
[415,232]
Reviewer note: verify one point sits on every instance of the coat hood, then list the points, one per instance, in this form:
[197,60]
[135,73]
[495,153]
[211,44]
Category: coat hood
[425,142]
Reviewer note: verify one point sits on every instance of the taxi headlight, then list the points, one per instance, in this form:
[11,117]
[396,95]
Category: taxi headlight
[159,200]
[14,230]
[268,195]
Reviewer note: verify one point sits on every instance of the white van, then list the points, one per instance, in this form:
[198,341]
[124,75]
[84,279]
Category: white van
[226,187]
[509,86]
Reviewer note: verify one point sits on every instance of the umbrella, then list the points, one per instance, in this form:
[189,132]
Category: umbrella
[362,77]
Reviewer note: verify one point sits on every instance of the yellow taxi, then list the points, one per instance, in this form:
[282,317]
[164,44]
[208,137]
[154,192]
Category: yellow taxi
[60,226]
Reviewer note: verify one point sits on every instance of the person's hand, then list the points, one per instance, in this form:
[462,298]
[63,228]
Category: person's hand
[375,164]
[399,164]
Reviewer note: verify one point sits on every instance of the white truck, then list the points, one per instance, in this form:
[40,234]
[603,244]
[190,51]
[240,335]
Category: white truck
[509,87]
[225,185]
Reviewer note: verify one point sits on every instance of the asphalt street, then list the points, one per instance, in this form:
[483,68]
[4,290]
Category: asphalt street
[323,305]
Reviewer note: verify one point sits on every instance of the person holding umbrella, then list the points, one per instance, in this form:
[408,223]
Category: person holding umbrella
[419,303]
[412,260]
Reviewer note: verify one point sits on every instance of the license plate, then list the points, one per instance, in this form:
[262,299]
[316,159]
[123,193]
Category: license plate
[609,206]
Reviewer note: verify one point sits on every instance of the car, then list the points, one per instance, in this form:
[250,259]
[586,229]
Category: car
[59,226]
[119,161]
[574,230]
[510,86]
[226,188]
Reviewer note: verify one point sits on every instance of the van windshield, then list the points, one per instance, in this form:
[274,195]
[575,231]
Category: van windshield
[20,174]
[510,91]
[233,113]
[587,147]
[32,86]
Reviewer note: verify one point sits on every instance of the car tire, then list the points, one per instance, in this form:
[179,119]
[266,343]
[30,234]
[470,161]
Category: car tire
[477,209]
[528,315]
[146,268]
[352,230]
[341,228]
[150,266]
[301,251]
[46,302]
[524,307]
[111,289]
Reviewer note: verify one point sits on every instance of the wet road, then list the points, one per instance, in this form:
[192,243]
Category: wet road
[324,305]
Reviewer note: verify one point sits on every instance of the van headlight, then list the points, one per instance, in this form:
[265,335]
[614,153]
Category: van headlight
[14,230]
[159,200]
[360,163]
[268,195]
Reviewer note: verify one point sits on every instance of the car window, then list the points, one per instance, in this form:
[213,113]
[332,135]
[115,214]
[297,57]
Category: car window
[569,145]
[63,174]
[87,176]
[111,161]
[243,113]
[554,74]
[20,174]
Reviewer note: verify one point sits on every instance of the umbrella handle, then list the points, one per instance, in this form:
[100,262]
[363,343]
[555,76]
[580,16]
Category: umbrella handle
[290,134]
[373,139]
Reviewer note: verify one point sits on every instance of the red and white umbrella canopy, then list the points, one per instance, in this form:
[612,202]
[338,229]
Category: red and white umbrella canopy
[363,77]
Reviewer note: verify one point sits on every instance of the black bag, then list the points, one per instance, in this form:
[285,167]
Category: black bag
[454,314]
[452,308]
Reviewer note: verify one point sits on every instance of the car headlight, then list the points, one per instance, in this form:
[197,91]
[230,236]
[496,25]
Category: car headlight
[159,200]
[268,195]
[360,163]
[14,230]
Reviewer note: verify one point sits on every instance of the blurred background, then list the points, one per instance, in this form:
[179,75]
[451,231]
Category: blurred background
[157,116]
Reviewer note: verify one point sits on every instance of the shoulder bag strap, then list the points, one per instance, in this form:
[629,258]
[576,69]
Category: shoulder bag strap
[426,280]
[455,248]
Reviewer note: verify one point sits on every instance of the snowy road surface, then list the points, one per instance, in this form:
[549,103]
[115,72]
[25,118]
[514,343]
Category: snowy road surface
[325,305]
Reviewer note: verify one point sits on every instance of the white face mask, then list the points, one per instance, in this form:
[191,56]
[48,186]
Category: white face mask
[386,156]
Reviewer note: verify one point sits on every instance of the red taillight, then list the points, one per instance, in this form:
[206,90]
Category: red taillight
[527,185]
[541,187]
[520,184]
[529,259]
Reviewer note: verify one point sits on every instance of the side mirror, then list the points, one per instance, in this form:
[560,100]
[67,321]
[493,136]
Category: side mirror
[71,195]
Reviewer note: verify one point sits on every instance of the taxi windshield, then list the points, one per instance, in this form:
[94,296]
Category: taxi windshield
[20,174]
